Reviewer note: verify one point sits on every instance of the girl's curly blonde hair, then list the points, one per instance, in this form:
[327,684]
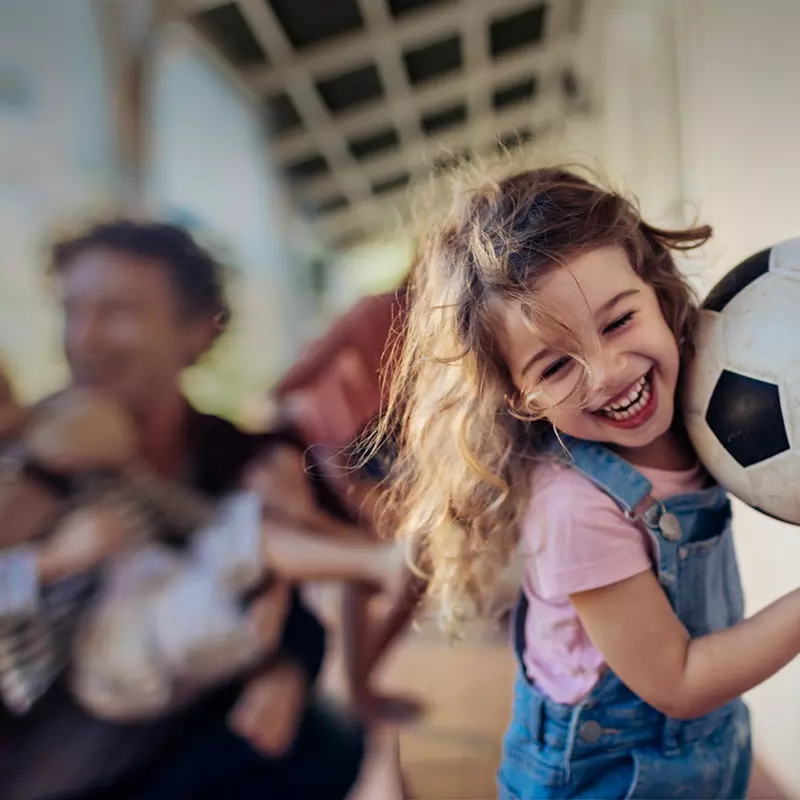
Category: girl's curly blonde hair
[460,483]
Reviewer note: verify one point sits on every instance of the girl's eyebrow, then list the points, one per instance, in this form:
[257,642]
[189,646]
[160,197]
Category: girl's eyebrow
[614,301]
[535,359]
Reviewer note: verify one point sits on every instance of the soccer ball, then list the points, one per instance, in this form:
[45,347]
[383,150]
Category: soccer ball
[741,398]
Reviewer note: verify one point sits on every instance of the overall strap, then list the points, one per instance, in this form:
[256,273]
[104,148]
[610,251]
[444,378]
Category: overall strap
[610,473]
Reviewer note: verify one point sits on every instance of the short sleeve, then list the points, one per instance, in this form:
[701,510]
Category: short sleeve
[574,538]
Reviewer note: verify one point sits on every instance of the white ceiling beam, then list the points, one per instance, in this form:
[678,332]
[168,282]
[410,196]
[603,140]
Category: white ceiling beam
[353,50]
[476,43]
[480,137]
[423,151]
[390,68]
[381,42]
[371,118]
[327,140]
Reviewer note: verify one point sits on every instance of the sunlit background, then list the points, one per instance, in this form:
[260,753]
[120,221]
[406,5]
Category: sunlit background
[309,141]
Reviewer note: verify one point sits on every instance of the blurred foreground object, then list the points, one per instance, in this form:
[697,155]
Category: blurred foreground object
[338,386]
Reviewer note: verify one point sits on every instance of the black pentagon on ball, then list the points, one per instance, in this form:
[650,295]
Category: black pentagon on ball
[737,279]
[745,415]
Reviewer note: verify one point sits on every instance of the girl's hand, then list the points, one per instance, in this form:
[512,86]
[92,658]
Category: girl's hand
[376,708]
[82,429]
[280,480]
[269,712]
[82,541]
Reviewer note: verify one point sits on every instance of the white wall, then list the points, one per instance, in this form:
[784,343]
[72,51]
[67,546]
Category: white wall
[630,56]
[740,73]
[55,162]
[209,167]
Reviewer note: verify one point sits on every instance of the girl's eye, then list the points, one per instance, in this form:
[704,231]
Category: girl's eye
[619,323]
[555,368]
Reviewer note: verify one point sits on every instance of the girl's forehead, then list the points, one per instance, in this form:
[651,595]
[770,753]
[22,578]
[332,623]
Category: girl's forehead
[592,278]
[575,292]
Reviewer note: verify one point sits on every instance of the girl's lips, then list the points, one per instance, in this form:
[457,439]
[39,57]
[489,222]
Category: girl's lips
[642,416]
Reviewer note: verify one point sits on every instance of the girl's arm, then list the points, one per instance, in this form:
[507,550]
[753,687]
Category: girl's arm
[634,627]
[296,554]
[383,631]
[300,542]
[356,629]
[367,638]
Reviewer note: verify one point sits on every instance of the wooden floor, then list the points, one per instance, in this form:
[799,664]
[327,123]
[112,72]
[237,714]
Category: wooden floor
[453,751]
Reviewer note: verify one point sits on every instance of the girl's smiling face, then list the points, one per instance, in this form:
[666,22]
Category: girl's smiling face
[612,378]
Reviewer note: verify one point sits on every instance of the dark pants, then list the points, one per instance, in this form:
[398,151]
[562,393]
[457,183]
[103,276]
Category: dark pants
[206,761]
[213,763]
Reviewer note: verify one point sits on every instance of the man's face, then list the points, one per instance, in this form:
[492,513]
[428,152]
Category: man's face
[123,327]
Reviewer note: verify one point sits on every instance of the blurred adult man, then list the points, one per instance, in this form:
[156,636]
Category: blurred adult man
[142,302]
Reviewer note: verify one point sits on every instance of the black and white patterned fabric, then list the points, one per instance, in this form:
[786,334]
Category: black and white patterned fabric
[38,624]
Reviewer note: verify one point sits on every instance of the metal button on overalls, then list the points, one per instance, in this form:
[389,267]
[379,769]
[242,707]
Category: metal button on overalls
[591,731]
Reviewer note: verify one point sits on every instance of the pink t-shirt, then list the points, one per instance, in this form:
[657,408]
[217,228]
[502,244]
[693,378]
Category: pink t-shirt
[573,539]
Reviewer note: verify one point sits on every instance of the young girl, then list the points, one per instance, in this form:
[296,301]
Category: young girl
[538,390]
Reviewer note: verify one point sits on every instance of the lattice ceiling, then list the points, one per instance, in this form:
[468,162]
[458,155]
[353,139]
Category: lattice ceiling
[366,97]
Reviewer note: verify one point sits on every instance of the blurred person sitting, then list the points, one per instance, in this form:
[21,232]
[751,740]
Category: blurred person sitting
[141,646]
[142,302]
[332,396]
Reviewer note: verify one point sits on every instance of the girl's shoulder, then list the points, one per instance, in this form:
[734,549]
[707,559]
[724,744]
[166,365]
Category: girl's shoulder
[567,499]
[576,535]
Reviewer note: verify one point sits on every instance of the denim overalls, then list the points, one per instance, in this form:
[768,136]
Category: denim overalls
[612,744]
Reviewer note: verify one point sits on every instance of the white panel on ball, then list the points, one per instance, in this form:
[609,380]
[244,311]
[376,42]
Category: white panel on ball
[785,258]
[762,328]
[775,485]
[790,404]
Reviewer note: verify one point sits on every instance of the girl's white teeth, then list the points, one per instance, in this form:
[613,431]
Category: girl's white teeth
[632,404]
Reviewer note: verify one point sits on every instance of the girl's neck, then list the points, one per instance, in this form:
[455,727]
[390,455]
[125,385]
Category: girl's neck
[672,451]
